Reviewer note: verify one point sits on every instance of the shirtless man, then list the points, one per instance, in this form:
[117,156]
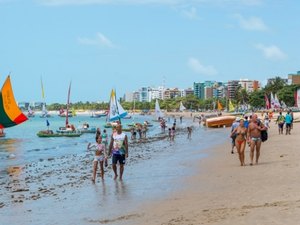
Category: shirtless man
[254,137]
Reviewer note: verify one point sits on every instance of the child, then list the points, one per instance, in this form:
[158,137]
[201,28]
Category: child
[100,156]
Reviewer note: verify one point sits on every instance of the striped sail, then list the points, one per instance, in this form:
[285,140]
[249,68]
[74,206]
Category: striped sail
[10,114]
[116,111]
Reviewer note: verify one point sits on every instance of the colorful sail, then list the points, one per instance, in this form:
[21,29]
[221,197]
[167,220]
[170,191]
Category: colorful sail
[231,107]
[220,107]
[10,114]
[116,111]
[277,103]
[158,112]
[272,101]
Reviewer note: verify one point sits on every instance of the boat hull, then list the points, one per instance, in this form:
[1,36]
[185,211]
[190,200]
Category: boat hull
[220,121]
[46,134]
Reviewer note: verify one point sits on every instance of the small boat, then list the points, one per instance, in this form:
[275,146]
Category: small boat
[66,131]
[50,133]
[220,121]
[30,112]
[45,113]
[87,129]
[98,115]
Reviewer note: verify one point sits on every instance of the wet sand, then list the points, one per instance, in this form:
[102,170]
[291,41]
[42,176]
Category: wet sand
[59,190]
[223,192]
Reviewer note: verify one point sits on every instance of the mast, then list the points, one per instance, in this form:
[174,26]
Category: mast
[68,102]
[117,106]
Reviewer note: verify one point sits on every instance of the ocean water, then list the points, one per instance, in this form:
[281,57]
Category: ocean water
[21,144]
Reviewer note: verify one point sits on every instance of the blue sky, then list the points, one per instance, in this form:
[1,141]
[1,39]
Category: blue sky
[126,44]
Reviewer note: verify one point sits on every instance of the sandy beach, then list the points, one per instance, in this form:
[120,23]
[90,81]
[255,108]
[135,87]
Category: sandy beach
[222,192]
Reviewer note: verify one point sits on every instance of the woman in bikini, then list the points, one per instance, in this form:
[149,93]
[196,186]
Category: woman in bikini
[240,141]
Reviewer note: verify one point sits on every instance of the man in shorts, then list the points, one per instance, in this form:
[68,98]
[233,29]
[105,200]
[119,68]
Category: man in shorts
[254,137]
[119,149]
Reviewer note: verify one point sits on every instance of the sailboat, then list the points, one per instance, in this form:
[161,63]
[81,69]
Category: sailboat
[181,107]
[66,131]
[158,113]
[10,114]
[45,113]
[116,111]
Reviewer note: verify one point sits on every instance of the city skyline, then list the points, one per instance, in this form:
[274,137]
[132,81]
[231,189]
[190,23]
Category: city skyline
[125,45]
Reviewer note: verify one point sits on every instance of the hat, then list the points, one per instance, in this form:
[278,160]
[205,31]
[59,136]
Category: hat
[237,119]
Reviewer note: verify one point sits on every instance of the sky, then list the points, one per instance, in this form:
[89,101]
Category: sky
[127,44]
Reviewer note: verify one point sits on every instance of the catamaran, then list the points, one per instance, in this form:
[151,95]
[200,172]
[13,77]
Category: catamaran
[10,113]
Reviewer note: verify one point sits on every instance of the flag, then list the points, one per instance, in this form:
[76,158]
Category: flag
[231,107]
[48,124]
[267,102]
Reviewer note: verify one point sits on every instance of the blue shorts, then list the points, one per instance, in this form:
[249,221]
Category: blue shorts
[118,158]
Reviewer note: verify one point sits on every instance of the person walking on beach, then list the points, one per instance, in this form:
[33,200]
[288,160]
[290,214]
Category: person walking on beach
[254,137]
[288,123]
[233,135]
[100,156]
[189,129]
[240,140]
[280,121]
[118,148]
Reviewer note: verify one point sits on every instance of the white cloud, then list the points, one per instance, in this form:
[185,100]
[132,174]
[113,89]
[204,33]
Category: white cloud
[190,13]
[199,68]
[99,40]
[271,52]
[251,23]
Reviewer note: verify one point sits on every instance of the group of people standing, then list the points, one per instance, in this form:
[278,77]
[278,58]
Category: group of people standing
[286,120]
[247,131]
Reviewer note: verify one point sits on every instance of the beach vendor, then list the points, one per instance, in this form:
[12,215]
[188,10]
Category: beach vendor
[118,148]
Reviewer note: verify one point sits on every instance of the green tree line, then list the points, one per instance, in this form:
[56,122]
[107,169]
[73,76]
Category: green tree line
[255,99]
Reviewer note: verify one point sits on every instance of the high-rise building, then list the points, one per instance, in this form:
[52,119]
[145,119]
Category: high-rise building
[294,78]
[208,92]
[144,94]
[249,85]
[232,88]
[199,90]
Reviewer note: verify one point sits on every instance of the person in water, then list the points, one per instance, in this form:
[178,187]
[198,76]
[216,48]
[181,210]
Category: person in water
[240,140]
[100,156]
[189,129]
[254,137]
[118,148]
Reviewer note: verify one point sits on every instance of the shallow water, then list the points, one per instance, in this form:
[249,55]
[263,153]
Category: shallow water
[153,171]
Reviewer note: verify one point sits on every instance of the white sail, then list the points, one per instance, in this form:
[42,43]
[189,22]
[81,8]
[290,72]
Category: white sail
[116,111]
[277,103]
[158,112]
[181,108]
[272,101]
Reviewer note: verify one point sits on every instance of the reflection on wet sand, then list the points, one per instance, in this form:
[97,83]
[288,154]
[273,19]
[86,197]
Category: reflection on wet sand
[9,145]
[121,190]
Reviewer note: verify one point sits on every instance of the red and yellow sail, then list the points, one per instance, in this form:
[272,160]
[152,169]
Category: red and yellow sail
[10,114]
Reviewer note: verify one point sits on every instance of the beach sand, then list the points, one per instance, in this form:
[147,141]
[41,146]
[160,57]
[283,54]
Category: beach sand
[223,192]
